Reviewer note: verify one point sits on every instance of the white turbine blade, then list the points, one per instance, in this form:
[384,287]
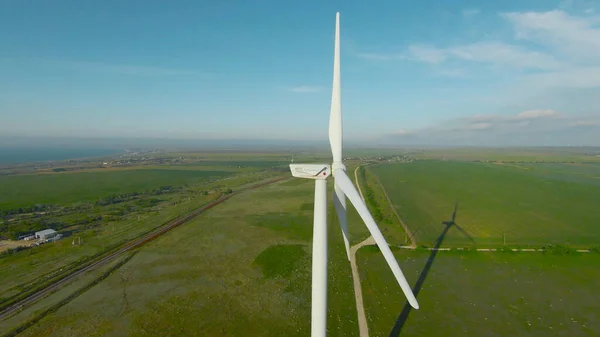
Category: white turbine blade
[335,114]
[319,261]
[339,201]
[346,185]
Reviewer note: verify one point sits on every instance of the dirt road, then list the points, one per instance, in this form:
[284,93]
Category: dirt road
[360,308]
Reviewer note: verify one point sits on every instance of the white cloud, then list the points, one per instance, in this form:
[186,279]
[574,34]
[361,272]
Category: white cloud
[306,88]
[562,49]
[533,114]
[497,54]
[551,58]
[577,37]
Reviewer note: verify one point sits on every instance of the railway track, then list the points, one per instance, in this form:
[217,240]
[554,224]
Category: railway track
[135,243]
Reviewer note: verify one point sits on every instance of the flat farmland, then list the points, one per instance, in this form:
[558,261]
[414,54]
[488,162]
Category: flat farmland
[483,294]
[525,204]
[243,269]
[240,269]
[70,187]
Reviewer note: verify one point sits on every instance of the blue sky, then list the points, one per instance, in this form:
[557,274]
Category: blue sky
[441,72]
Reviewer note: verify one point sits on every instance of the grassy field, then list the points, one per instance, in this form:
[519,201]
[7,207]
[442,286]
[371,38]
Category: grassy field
[245,272]
[484,294]
[65,188]
[27,267]
[53,300]
[243,268]
[516,154]
[31,267]
[528,204]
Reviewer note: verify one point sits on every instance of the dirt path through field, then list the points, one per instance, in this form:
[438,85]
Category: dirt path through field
[357,184]
[360,308]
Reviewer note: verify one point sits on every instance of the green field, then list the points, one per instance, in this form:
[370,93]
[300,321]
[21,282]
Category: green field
[63,188]
[108,225]
[530,204]
[484,294]
[242,268]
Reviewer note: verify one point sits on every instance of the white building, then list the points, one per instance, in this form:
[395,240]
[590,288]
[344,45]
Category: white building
[45,234]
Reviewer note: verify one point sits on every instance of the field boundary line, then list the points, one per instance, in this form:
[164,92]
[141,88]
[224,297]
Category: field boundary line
[413,241]
[447,249]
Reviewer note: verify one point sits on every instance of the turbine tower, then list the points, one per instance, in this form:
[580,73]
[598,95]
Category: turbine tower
[343,188]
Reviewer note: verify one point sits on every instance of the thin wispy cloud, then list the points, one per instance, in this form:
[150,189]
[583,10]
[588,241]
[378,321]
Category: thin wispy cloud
[585,123]
[549,58]
[479,129]
[576,37]
[426,54]
[493,53]
[478,126]
[571,48]
[380,56]
[306,88]
[133,70]
[453,73]
[470,12]
[540,113]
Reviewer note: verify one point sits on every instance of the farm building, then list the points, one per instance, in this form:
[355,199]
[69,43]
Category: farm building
[45,234]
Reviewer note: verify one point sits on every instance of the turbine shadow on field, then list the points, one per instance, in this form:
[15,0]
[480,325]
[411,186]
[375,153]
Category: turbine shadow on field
[403,317]
[452,222]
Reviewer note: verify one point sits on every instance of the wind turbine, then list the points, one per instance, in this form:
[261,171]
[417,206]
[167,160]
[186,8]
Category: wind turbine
[343,188]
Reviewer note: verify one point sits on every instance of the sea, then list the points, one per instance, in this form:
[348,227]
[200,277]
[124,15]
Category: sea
[20,155]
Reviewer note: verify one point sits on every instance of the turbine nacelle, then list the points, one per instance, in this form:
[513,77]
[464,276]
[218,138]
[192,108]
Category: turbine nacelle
[311,171]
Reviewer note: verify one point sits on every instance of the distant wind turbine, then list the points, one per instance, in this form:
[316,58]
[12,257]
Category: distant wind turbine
[343,187]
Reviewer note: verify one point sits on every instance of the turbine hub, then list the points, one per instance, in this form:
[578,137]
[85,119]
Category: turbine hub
[337,165]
